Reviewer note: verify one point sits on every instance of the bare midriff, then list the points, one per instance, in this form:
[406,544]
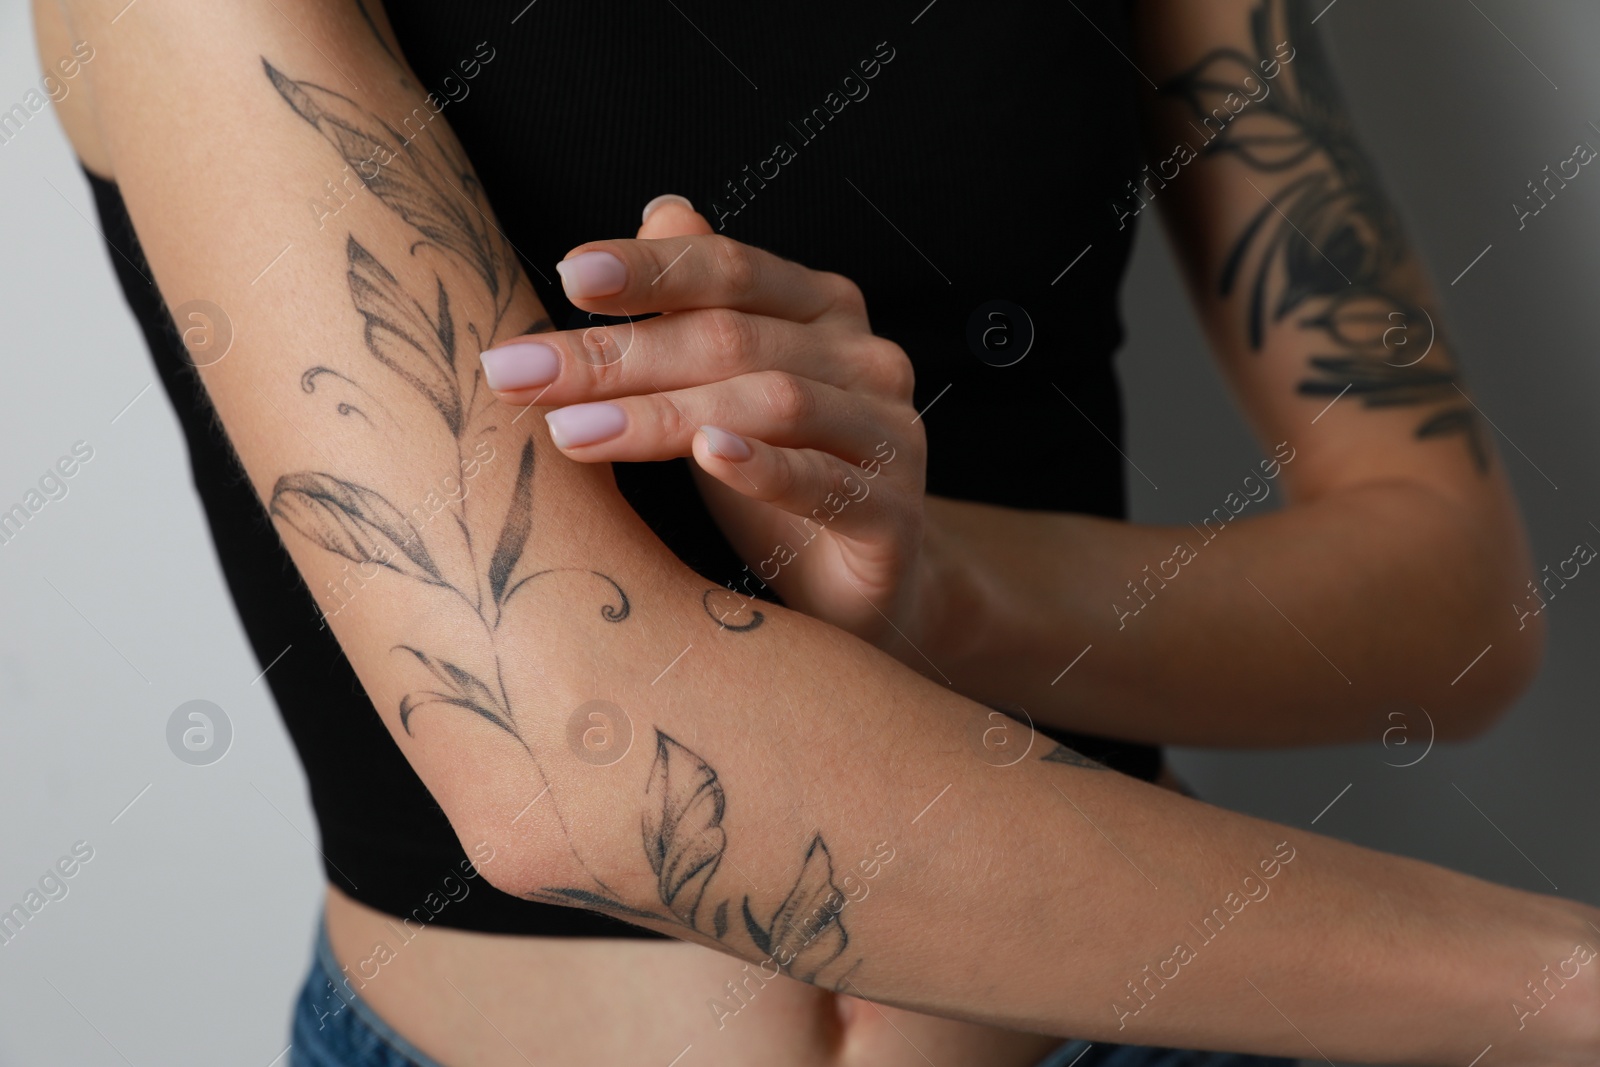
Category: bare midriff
[500,1001]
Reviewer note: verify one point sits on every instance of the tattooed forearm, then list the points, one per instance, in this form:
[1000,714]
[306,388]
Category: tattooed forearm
[1325,250]
[684,841]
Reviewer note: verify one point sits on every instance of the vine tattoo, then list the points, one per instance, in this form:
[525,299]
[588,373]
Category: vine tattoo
[417,339]
[479,557]
[1326,248]
[426,182]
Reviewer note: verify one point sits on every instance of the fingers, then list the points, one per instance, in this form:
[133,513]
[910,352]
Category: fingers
[681,350]
[683,265]
[778,408]
[805,483]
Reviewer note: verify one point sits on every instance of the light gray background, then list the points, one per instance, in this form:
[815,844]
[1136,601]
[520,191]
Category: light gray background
[183,940]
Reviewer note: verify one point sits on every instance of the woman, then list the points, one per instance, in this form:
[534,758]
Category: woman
[637,747]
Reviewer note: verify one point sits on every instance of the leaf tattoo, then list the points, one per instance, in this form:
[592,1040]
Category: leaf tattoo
[682,825]
[514,533]
[805,934]
[410,175]
[420,349]
[354,522]
[758,932]
[684,841]
[465,690]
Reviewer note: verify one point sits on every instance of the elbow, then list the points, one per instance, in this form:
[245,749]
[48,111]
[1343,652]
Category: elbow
[503,865]
[513,837]
[498,858]
[523,859]
[552,873]
[1485,692]
[516,865]
[521,842]
[1491,632]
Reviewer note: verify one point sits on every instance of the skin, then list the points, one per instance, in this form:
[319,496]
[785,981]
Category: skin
[771,760]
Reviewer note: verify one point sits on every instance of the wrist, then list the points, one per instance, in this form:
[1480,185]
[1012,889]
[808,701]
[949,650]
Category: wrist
[1563,997]
[947,611]
[1544,997]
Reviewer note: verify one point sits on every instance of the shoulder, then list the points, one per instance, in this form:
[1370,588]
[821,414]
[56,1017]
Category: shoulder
[63,59]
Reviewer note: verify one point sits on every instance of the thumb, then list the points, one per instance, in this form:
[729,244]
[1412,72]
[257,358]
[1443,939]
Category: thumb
[670,215]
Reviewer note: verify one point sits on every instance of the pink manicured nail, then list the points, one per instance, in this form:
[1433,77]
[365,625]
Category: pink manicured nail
[591,274]
[727,445]
[524,365]
[664,198]
[585,424]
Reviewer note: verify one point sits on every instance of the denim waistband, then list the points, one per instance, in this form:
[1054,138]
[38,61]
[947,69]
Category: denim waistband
[334,1027]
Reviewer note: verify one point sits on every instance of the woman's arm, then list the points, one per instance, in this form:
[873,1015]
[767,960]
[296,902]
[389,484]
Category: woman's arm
[1399,559]
[754,781]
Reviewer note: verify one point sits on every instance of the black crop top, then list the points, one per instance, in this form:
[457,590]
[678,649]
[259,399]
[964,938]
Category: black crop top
[959,164]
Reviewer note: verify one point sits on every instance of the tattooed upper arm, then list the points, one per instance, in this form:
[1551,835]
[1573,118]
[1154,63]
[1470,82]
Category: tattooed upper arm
[1308,260]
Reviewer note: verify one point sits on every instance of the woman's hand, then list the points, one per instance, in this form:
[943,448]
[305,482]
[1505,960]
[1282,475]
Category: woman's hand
[807,448]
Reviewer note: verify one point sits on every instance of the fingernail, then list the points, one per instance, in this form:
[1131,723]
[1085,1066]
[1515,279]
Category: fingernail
[591,274]
[665,198]
[729,446]
[524,365]
[585,424]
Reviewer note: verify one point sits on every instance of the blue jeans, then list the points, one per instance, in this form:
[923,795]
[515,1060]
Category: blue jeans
[334,1027]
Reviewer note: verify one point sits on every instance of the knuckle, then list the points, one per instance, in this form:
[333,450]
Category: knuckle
[667,423]
[729,338]
[839,481]
[735,265]
[843,293]
[788,398]
[847,486]
[783,479]
[891,368]
[600,351]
